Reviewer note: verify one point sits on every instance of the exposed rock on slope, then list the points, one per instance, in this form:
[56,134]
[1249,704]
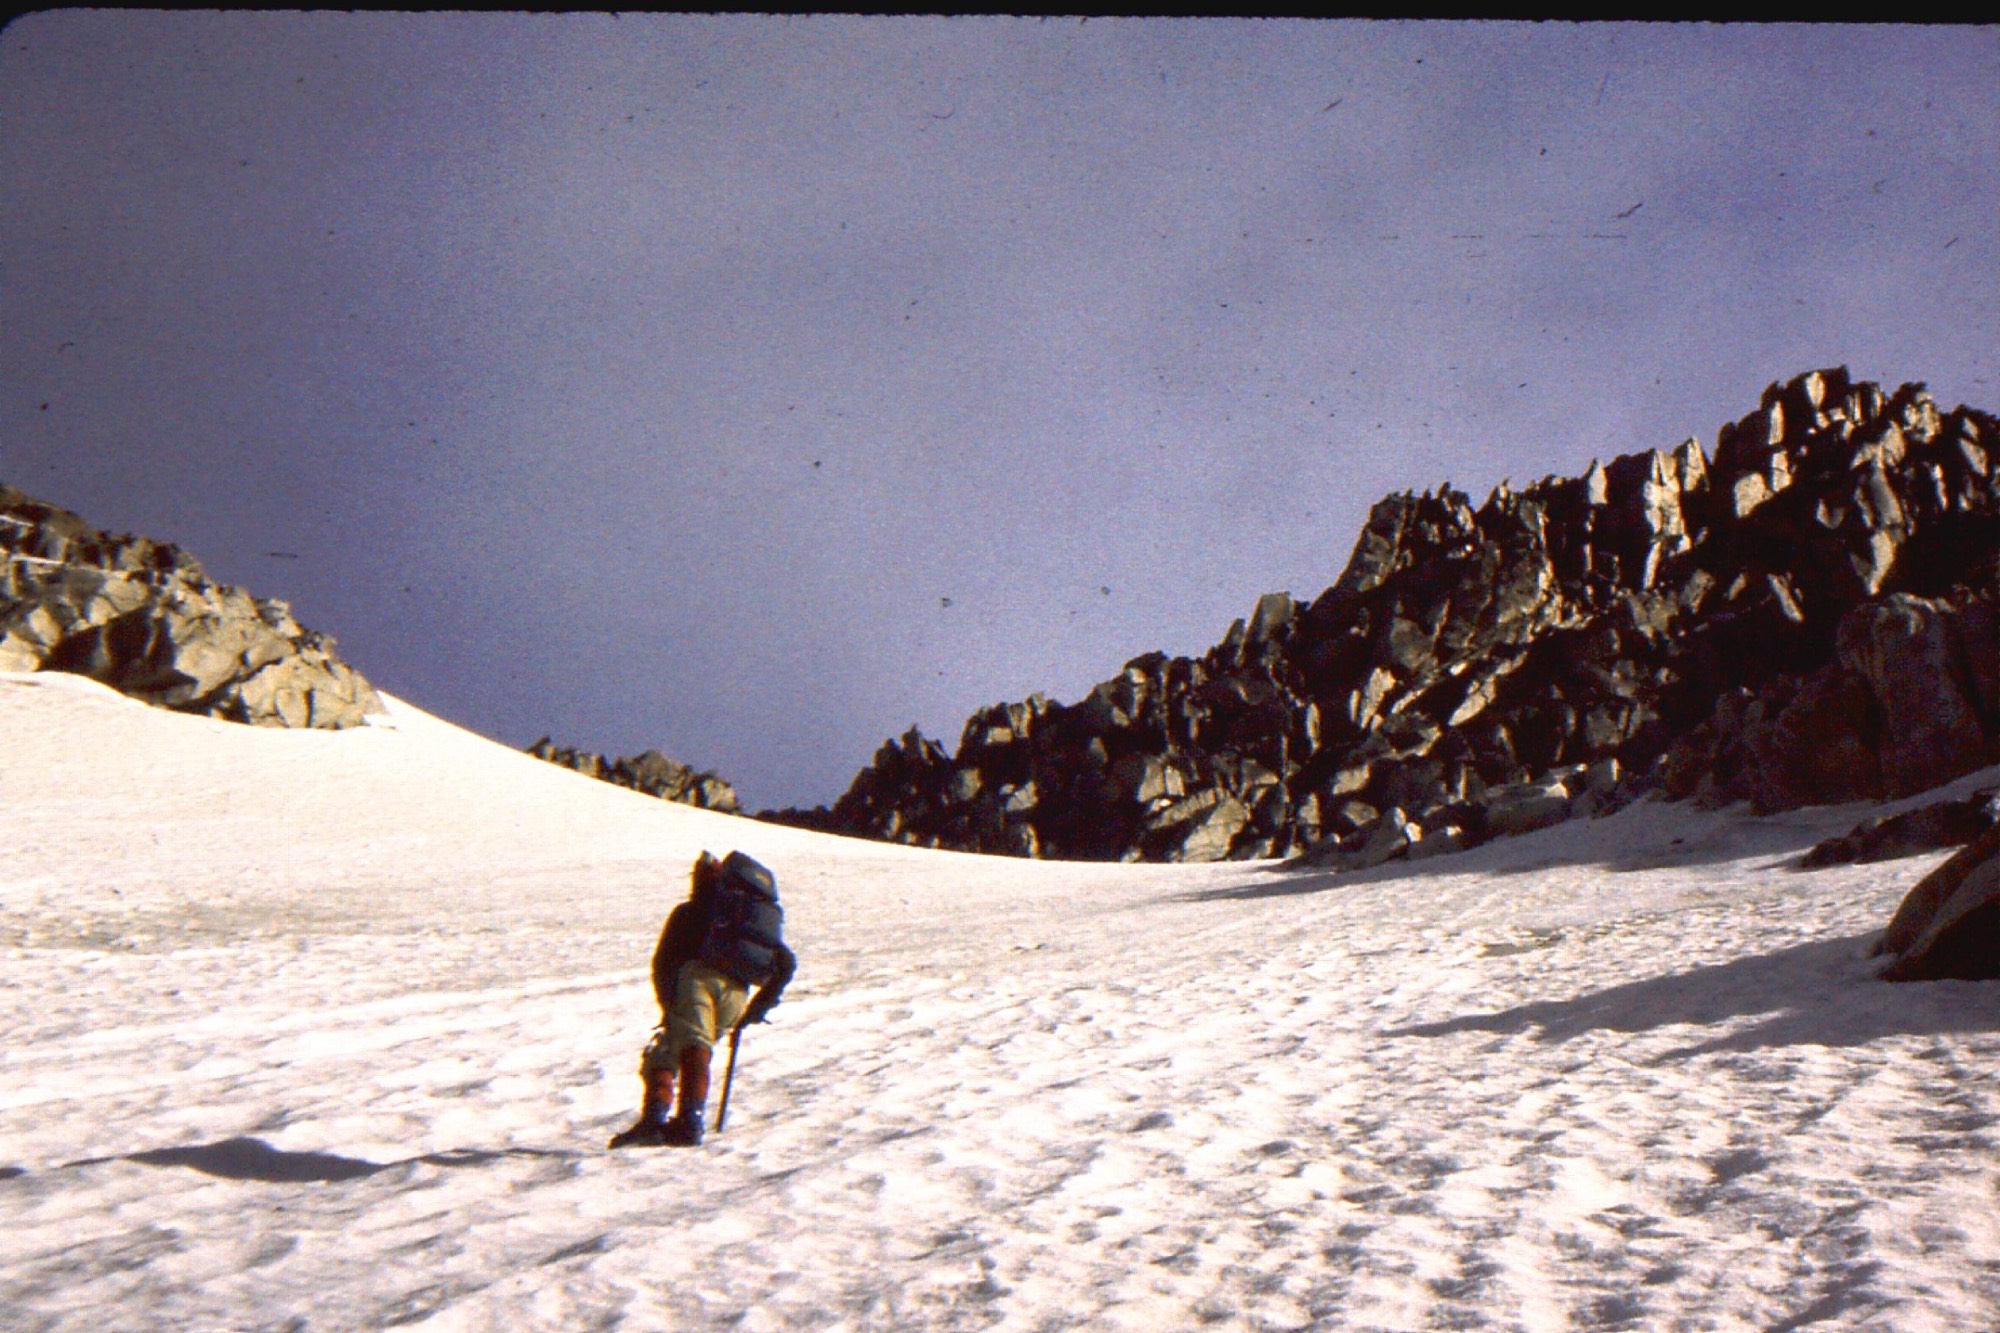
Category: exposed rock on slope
[1949,924]
[1806,616]
[1950,823]
[650,772]
[144,618]
[1908,700]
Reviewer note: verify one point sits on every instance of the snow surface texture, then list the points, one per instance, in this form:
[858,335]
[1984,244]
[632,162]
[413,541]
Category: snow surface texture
[327,1031]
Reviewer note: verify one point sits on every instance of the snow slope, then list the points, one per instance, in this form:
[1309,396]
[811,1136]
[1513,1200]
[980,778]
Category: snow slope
[320,1031]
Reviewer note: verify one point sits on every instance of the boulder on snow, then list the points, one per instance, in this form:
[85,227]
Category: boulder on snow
[1948,926]
[1524,807]
[1926,829]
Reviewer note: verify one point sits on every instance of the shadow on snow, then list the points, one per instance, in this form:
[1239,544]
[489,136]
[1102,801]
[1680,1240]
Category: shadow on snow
[1648,835]
[1549,849]
[254,1159]
[1823,993]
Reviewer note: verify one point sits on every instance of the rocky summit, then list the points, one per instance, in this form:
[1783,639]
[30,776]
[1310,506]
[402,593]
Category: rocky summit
[1805,615]
[143,617]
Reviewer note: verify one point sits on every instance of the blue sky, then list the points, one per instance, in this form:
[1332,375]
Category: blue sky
[752,388]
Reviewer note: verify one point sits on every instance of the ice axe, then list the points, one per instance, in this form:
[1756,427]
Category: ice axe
[728,1077]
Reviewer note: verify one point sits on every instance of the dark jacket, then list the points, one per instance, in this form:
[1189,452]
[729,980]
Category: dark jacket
[680,942]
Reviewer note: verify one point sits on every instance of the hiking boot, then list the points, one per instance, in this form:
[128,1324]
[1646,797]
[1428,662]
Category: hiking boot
[648,1129]
[643,1134]
[683,1131]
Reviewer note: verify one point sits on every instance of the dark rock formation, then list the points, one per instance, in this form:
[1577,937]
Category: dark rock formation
[1948,926]
[650,772]
[142,617]
[1925,829]
[1907,701]
[1807,616]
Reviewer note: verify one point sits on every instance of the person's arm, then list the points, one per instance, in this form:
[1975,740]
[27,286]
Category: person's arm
[768,994]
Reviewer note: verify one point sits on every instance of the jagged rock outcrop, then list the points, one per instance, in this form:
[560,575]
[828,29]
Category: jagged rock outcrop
[650,772]
[143,617]
[1807,615]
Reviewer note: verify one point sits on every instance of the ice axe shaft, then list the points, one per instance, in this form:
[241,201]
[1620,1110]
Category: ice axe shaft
[728,1077]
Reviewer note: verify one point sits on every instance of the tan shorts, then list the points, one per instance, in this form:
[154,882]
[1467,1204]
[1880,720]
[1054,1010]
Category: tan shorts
[707,1004]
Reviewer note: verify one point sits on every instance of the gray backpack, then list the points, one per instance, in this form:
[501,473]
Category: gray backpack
[747,928]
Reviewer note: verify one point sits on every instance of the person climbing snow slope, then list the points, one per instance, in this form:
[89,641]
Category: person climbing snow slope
[726,938]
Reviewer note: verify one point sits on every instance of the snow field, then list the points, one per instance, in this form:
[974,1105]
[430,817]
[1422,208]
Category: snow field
[327,1032]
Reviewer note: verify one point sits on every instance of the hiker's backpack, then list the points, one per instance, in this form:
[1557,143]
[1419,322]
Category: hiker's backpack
[747,928]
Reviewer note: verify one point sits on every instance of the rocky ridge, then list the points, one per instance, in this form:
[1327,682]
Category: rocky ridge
[144,618]
[649,772]
[1805,615]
